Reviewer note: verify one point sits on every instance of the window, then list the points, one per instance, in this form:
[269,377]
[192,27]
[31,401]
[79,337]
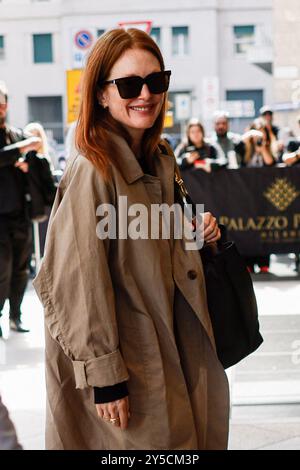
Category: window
[244,38]
[42,48]
[180,40]
[48,111]
[2,56]
[100,32]
[155,34]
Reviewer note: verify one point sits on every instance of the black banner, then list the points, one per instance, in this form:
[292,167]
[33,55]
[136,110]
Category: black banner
[259,206]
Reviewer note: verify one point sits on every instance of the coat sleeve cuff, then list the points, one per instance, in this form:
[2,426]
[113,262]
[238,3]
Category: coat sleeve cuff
[102,371]
[109,394]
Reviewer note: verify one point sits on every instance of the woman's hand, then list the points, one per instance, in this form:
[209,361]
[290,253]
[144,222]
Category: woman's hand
[115,412]
[192,156]
[23,166]
[252,133]
[212,232]
[34,145]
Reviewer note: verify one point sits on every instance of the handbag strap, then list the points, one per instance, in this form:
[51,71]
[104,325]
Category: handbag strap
[178,181]
[183,192]
[182,189]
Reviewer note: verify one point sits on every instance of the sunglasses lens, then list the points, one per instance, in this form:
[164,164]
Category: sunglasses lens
[158,82]
[129,87]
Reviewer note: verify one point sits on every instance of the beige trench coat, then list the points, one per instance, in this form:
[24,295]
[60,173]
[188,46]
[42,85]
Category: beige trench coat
[110,309]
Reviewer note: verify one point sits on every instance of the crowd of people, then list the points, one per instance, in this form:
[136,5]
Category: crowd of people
[260,145]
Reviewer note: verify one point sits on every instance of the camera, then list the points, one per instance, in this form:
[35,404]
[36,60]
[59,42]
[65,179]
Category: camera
[259,142]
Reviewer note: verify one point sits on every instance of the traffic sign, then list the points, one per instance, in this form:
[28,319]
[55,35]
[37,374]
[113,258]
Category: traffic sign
[83,39]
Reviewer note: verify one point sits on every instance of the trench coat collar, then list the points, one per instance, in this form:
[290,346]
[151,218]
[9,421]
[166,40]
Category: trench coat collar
[130,167]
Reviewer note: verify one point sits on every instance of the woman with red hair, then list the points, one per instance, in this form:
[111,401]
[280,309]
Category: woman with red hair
[130,353]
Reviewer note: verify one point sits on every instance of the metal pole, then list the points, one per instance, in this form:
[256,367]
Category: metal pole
[37,251]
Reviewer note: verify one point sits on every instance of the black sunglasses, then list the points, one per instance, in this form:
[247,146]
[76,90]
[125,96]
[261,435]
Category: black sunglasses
[130,87]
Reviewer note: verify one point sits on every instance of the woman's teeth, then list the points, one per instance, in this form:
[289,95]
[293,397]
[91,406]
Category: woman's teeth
[141,108]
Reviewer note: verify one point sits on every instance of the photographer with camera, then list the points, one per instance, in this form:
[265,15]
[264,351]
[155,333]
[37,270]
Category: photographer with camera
[258,146]
[258,154]
[195,152]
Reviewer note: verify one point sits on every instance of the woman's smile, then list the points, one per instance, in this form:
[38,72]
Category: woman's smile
[143,110]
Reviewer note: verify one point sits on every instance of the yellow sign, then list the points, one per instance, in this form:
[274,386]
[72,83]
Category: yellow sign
[169,121]
[73,94]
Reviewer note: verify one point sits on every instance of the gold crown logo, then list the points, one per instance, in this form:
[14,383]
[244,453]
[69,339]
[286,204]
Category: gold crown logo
[281,193]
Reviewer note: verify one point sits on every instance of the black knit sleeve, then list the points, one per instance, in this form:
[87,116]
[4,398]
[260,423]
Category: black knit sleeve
[112,393]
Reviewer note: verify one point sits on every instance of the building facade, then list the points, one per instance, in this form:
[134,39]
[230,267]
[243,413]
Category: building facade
[213,47]
[287,63]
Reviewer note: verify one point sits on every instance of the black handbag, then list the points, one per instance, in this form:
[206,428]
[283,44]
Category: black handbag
[230,295]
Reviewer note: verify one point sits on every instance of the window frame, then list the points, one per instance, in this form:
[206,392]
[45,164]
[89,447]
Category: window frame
[2,48]
[35,52]
[156,38]
[100,31]
[248,41]
[176,52]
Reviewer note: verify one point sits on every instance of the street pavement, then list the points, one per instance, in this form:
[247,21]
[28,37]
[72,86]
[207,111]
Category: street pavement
[22,383]
[265,387]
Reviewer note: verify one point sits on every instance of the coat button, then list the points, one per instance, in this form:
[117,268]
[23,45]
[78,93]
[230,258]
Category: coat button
[192,274]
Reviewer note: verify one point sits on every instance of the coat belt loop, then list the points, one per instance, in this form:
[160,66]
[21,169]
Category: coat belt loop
[80,375]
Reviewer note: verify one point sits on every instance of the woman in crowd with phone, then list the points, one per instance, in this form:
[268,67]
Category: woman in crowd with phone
[195,152]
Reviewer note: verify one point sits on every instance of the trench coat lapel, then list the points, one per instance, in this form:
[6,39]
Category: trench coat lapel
[165,167]
[131,170]
[130,167]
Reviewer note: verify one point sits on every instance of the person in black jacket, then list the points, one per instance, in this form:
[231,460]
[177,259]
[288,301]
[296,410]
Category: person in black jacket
[15,227]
